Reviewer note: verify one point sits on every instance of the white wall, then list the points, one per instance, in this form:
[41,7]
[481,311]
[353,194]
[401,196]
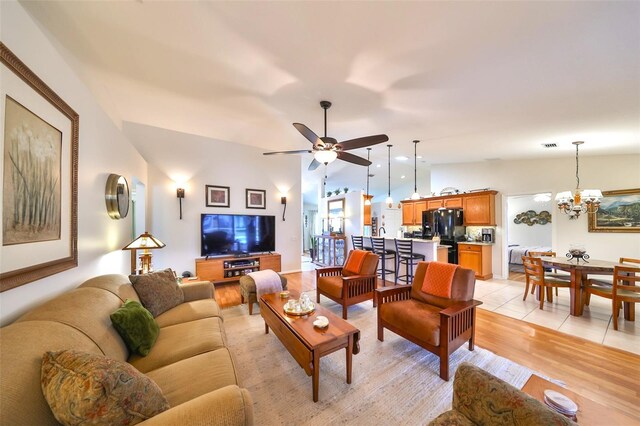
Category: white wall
[353,213]
[102,150]
[550,175]
[197,161]
[523,234]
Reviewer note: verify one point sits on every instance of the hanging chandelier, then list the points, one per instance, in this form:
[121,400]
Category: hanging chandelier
[415,195]
[578,202]
[389,200]
[367,201]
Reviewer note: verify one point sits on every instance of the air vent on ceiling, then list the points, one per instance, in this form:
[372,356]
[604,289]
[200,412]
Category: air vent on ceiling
[550,145]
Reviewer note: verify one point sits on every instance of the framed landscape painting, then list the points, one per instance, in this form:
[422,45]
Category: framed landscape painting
[39,177]
[256,198]
[619,211]
[217,196]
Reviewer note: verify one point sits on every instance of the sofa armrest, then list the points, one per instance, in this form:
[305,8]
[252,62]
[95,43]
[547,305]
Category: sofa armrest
[230,405]
[392,294]
[358,284]
[197,291]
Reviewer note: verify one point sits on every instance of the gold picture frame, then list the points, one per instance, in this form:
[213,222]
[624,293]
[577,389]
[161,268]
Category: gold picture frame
[619,211]
[25,261]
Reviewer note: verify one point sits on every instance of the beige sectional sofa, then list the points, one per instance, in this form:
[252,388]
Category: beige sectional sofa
[189,362]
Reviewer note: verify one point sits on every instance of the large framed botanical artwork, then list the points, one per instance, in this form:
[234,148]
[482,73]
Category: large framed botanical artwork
[39,172]
[619,211]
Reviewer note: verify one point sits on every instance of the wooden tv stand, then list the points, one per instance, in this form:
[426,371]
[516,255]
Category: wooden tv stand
[231,268]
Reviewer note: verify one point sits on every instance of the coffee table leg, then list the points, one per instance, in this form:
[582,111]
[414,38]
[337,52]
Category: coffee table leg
[266,328]
[349,350]
[316,375]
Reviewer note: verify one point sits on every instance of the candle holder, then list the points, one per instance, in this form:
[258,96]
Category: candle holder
[577,253]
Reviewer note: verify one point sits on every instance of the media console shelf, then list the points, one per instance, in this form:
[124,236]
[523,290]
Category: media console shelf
[230,268]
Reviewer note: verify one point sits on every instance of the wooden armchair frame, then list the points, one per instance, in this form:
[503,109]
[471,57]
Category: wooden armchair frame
[355,288]
[457,325]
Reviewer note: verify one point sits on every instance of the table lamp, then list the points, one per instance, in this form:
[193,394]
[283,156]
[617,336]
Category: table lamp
[147,242]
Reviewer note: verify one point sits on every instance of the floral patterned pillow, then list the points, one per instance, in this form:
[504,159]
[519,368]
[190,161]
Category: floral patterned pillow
[158,291]
[86,388]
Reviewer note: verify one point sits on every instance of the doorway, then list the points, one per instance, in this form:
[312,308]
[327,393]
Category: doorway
[528,229]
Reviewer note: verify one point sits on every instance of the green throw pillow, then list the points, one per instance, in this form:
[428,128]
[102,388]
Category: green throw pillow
[136,326]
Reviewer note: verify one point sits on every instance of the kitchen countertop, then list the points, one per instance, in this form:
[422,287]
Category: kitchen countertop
[476,243]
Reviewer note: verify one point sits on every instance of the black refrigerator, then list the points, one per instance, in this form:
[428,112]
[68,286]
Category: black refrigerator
[448,225]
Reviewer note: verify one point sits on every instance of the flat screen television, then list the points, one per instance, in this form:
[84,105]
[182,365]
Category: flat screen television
[236,233]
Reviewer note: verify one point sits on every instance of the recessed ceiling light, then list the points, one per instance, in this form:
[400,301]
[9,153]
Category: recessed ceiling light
[402,158]
[402,177]
[419,156]
[378,165]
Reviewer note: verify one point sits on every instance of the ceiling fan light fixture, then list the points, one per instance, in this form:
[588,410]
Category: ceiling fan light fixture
[325,157]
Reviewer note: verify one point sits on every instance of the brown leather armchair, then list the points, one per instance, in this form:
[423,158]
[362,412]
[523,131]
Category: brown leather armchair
[439,325]
[348,287]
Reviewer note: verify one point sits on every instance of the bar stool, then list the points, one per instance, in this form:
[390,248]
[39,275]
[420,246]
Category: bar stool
[406,256]
[378,247]
[358,243]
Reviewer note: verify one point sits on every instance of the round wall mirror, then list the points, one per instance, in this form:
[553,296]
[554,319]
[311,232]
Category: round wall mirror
[117,196]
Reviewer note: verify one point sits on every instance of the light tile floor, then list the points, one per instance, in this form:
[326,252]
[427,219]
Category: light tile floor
[505,297]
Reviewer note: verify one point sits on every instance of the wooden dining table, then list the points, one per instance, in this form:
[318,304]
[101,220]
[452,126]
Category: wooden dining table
[579,272]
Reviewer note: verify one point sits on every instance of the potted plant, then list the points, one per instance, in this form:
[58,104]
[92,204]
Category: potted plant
[337,191]
[329,193]
[312,247]
[346,189]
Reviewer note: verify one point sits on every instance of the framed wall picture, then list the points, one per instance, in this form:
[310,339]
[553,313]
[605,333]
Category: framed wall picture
[256,198]
[39,179]
[217,196]
[619,212]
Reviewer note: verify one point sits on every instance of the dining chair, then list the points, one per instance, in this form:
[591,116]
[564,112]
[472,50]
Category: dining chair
[554,273]
[407,257]
[625,288]
[607,281]
[534,275]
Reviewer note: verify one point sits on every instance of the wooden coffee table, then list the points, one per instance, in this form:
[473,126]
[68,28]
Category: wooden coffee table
[589,412]
[306,343]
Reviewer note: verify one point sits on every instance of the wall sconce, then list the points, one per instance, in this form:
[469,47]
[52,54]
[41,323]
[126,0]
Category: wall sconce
[283,201]
[180,193]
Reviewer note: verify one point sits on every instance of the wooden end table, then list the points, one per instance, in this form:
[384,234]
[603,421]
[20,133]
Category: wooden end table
[306,343]
[589,412]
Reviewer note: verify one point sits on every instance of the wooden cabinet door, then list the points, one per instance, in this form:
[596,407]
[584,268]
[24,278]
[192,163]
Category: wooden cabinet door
[434,204]
[367,211]
[471,260]
[453,203]
[270,261]
[407,213]
[443,255]
[418,208]
[479,210]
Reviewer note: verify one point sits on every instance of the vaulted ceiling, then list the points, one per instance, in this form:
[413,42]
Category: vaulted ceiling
[471,80]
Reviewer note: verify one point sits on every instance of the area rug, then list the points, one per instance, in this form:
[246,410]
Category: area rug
[394,382]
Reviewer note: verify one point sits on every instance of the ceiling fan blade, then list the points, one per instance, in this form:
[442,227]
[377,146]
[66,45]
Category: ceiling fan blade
[362,142]
[314,165]
[298,151]
[345,156]
[308,133]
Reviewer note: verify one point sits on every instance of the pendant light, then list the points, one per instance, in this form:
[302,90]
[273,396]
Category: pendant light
[367,201]
[415,195]
[389,200]
[578,202]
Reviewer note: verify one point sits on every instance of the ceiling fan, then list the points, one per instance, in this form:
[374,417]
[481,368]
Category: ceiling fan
[326,149]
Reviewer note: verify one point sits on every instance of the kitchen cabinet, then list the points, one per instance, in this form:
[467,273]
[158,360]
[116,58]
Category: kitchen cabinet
[445,202]
[367,211]
[476,257]
[412,212]
[480,209]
